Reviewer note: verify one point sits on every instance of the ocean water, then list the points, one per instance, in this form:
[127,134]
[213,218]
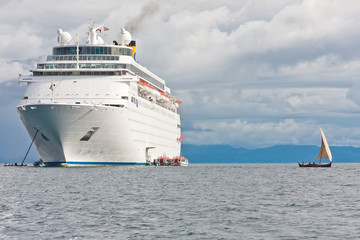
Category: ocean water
[217,201]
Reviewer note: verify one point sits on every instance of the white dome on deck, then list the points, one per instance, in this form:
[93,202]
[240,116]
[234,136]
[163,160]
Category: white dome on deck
[123,37]
[64,38]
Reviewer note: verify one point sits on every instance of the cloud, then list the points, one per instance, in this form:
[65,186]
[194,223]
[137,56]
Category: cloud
[307,24]
[212,43]
[266,103]
[239,133]
[326,68]
[242,133]
[9,71]
[20,43]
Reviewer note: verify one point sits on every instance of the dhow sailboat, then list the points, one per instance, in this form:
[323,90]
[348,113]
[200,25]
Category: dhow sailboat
[324,153]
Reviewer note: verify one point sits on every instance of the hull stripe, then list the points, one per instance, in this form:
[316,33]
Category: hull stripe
[92,163]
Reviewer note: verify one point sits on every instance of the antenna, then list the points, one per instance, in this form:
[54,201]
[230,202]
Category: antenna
[77,51]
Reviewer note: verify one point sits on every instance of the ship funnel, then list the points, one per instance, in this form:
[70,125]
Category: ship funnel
[132,44]
[64,38]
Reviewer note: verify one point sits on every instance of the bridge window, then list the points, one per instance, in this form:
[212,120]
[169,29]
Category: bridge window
[94,50]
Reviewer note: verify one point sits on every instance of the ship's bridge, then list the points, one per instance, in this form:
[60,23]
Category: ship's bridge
[93,50]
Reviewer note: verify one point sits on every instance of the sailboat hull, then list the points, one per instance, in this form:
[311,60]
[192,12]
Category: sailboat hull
[324,153]
[314,164]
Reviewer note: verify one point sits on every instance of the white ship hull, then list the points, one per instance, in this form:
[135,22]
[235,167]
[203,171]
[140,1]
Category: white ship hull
[123,136]
[92,104]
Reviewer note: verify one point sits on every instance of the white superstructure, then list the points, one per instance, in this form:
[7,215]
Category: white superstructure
[93,104]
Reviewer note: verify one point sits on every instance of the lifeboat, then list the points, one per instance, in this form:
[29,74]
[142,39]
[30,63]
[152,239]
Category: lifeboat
[162,97]
[183,161]
[180,161]
[165,161]
[145,87]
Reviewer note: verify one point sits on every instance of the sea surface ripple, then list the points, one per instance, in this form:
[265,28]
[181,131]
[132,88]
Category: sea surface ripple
[201,201]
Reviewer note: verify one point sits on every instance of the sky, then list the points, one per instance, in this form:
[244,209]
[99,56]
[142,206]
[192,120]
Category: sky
[250,73]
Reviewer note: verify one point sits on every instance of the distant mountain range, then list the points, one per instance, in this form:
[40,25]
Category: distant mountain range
[275,154]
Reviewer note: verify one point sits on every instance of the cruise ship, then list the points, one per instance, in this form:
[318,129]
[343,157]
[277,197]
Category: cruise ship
[93,104]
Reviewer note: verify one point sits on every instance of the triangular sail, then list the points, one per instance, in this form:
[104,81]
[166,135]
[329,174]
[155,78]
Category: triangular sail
[324,150]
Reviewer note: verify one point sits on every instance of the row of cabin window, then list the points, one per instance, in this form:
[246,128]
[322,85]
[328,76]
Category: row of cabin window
[77,73]
[93,50]
[101,66]
[82,58]
[95,66]
[81,65]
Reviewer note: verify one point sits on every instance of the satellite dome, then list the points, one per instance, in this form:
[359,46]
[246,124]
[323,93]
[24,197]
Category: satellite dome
[63,38]
[124,37]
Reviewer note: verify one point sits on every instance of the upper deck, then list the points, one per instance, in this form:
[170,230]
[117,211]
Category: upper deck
[95,73]
[94,58]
